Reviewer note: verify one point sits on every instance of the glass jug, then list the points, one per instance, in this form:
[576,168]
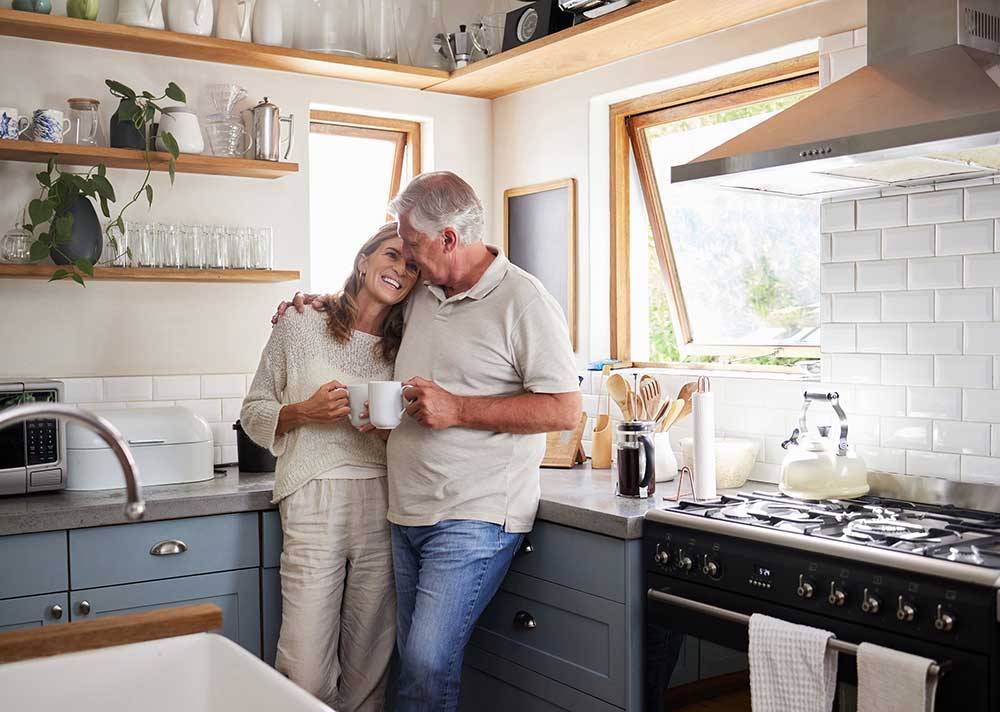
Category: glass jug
[635,459]
[331,26]
[83,121]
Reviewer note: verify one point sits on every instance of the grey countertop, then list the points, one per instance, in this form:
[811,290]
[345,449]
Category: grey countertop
[578,497]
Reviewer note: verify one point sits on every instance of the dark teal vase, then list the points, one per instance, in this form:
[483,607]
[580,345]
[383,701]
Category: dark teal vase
[86,240]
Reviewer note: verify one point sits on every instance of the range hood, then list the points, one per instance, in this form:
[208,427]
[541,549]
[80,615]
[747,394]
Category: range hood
[925,109]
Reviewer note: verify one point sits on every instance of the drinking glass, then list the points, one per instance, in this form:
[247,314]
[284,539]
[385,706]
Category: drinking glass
[265,248]
[169,246]
[146,254]
[216,253]
[192,246]
[116,255]
[381,30]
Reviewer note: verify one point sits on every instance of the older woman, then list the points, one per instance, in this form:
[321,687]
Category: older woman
[337,628]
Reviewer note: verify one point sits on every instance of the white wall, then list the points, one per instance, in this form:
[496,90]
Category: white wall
[118,329]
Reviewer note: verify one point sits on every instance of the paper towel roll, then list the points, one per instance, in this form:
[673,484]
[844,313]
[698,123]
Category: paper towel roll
[703,412]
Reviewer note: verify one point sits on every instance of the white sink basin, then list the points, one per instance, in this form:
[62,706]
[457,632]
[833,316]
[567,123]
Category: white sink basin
[192,673]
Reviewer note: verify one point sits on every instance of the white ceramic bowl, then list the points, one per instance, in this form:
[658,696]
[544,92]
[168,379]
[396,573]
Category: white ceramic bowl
[734,458]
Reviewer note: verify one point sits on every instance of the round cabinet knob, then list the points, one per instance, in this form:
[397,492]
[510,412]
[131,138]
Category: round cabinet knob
[905,611]
[684,563]
[661,557]
[56,611]
[83,607]
[943,621]
[524,621]
[526,547]
[870,603]
[837,596]
[709,568]
[805,589]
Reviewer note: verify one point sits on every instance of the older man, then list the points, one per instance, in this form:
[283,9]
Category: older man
[487,354]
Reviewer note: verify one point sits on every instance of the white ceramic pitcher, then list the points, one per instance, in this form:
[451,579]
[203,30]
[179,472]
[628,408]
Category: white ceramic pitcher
[233,20]
[140,13]
[268,22]
[192,17]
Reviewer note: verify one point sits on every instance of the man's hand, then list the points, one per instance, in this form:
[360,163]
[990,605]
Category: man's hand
[431,405]
[299,302]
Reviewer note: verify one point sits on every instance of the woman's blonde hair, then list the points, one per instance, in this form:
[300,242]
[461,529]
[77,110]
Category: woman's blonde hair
[342,308]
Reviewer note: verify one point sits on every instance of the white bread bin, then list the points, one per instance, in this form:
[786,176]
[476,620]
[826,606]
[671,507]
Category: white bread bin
[170,446]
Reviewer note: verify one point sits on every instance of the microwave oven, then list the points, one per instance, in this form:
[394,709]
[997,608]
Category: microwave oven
[32,452]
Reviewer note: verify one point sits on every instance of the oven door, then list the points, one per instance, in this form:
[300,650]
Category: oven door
[968,684]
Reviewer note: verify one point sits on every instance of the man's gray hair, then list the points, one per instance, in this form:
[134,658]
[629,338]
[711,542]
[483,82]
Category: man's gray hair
[435,201]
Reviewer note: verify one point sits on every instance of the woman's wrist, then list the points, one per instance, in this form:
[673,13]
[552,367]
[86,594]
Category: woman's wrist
[289,417]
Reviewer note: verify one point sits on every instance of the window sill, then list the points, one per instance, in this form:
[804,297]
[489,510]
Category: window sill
[776,373]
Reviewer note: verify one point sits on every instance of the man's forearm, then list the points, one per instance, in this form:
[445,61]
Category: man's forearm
[522,414]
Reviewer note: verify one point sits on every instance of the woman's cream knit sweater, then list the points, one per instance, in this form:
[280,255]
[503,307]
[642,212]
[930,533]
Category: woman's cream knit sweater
[301,356]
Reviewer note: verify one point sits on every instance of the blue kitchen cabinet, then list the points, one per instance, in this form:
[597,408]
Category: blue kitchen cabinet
[34,578]
[33,611]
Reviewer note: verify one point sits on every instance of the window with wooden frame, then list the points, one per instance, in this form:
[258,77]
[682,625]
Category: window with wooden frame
[705,273]
[357,164]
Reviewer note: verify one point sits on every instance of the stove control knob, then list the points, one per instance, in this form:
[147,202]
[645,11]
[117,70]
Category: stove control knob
[806,588]
[944,622]
[870,603]
[684,562]
[905,611]
[837,596]
[709,567]
[661,557]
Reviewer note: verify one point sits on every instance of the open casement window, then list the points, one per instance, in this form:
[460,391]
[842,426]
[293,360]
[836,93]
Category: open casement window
[713,273]
[357,164]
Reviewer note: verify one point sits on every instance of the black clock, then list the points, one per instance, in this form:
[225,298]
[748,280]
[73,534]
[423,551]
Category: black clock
[532,21]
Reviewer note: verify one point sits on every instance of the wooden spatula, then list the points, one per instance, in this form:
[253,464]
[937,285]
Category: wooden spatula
[649,394]
[621,393]
[671,415]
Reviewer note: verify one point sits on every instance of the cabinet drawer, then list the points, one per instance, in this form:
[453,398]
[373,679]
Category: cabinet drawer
[34,611]
[33,563]
[237,593]
[570,557]
[577,639]
[123,554]
[271,539]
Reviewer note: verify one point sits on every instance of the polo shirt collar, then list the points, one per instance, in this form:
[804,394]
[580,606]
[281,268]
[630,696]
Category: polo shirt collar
[490,280]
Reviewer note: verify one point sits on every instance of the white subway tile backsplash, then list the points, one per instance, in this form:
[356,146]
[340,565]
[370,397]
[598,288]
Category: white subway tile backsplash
[935,273]
[175,387]
[943,403]
[825,249]
[209,408]
[936,207]
[964,371]
[825,308]
[883,459]
[964,305]
[223,433]
[856,368]
[982,338]
[103,405]
[231,409]
[908,306]
[981,470]
[982,404]
[881,338]
[933,464]
[837,338]
[857,307]
[982,270]
[763,472]
[860,245]
[878,400]
[223,386]
[995,440]
[881,276]
[908,242]
[964,238]
[128,388]
[940,338]
[906,433]
[150,404]
[82,390]
[590,405]
[230,455]
[982,202]
[907,370]
[836,277]
[837,217]
[962,438]
[882,212]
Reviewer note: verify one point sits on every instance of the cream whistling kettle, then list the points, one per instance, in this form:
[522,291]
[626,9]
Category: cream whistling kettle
[818,466]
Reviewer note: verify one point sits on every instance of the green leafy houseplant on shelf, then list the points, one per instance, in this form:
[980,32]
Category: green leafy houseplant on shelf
[51,214]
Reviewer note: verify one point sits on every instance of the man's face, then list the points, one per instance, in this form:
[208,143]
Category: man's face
[424,250]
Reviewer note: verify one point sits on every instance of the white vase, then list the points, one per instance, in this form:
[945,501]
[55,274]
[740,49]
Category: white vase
[140,13]
[192,17]
[268,25]
[234,19]
[666,461]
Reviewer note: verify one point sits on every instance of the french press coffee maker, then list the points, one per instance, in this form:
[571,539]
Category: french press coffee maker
[636,460]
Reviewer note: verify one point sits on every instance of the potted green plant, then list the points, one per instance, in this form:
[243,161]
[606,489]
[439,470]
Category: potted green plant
[63,215]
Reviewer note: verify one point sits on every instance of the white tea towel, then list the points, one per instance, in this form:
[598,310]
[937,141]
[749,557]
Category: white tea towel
[891,681]
[791,669]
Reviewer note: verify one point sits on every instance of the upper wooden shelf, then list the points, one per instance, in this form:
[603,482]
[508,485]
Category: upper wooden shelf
[158,274]
[647,25]
[75,155]
[108,35]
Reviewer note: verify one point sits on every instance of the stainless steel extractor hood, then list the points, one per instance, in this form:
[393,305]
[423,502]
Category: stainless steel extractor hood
[925,109]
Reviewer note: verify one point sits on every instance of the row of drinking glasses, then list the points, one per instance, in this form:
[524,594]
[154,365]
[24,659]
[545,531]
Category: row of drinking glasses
[174,245]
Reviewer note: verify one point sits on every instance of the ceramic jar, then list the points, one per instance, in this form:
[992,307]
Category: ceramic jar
[192,17]
[268,23]
[182,124]
[141,13]
[234,19]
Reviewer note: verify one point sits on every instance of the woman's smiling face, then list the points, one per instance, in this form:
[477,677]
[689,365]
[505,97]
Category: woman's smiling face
[388,277]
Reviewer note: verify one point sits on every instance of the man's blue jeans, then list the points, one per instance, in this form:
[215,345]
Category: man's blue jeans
[446,574]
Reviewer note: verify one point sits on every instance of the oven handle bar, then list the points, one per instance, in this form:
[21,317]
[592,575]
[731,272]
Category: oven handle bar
[933,670]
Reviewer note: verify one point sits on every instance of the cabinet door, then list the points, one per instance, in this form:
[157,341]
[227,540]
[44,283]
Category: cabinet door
[33,611]
[237,593]
[271,608]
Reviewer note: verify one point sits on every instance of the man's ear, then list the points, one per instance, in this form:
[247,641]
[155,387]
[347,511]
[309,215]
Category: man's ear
[450,240]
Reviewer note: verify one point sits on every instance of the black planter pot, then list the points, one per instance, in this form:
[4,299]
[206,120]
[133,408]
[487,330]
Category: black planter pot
[86,240]
[124,134]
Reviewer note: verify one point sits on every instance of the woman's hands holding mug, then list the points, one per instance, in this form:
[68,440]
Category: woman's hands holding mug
[327,405]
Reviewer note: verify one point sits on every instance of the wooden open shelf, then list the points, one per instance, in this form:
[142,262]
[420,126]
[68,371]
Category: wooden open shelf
[154,274]
[16,23]
[645,26]
[75,155]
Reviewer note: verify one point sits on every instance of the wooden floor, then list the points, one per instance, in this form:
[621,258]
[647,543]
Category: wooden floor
[738,701]
[725,693]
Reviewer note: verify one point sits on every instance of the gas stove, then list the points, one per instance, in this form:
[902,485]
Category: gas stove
[921,578]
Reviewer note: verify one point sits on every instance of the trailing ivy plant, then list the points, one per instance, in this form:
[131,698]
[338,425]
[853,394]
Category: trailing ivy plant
[61,189]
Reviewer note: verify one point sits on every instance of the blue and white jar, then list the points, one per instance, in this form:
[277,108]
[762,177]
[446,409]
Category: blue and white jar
[49,126]
[12,124]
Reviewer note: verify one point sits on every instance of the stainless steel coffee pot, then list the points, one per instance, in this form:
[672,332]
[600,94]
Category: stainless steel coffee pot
[265,131]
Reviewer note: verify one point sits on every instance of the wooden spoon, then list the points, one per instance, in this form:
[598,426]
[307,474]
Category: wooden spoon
[662,410]
[687,392]
[621,392]
[671,416]
[649,393]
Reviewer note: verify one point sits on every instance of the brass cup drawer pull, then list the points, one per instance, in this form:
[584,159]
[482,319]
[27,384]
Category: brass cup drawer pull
[524,621]
[170,547]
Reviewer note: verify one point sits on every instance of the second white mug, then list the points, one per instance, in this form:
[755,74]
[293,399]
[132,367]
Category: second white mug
[386,404]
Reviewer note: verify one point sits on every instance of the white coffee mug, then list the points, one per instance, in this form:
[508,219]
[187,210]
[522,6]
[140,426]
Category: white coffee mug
[49,125]
[12,124]
[358,394]
[386,404]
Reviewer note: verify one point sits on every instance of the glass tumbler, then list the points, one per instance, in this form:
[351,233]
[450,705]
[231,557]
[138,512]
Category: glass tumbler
[381,30]
[169,244]
[83,121]
[115,253]
[216,253]
[147,253]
